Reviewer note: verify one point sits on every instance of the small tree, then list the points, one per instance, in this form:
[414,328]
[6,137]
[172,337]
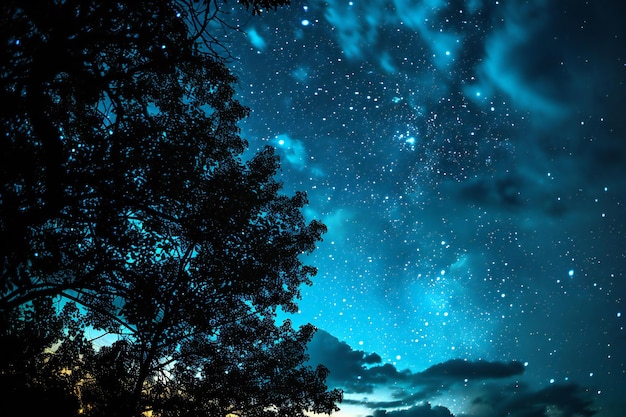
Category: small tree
[122,190]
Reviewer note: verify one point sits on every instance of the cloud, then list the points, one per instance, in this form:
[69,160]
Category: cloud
[495,401]
[534,55]
[356,23]
[387,64]
[359,372]
[569,400]
[410,394]
[462,369]
[361,25]
[529,57]
[425,410]
[353,370]
[529,82]
[300,73]
[444,46]
[256,40]
[506,191]
[403,400]
[521,190]
[292,149]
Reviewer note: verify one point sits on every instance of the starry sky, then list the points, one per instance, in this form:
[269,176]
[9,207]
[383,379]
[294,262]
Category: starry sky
[468,158]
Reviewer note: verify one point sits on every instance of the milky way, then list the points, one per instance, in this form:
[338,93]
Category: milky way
[468,159]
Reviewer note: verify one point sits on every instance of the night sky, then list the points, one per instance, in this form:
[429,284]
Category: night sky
[468,158]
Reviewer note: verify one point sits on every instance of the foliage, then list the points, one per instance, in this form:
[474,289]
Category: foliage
[123,192]
[28,367]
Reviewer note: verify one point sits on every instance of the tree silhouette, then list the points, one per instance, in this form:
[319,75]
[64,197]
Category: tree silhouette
[125,207]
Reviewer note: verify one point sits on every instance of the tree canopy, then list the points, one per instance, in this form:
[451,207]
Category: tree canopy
[126,208]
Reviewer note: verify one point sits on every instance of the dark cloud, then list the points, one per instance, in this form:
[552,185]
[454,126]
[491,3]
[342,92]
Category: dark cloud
[338,356]
[425,410]
[505,191]
[372,358]
[358,372]
[404,399]
[347,366]
[354,367]
[461,369]
[563,400]
[522,194]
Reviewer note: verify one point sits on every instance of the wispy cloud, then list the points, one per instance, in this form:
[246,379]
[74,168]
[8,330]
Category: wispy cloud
[256,39]
[292,149]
